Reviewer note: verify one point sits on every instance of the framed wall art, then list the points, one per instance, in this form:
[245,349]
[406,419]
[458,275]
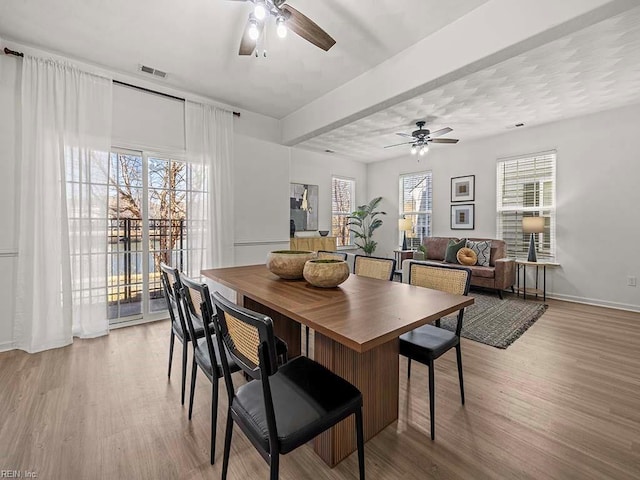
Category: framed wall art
[463,189]
[463,217]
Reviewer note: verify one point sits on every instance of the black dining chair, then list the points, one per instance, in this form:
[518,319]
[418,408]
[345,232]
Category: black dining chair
[426,343]
[206,353]
[172,285]
[285,406]
[374,267]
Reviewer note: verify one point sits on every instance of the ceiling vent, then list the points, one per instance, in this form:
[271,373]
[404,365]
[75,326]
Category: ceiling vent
[153,71]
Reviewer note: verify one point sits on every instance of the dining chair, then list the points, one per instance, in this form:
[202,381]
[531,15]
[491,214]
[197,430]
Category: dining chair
[374,267]
[206,353]
[323,255]
[286,406]
[172,285]
[331,255]
[426,343]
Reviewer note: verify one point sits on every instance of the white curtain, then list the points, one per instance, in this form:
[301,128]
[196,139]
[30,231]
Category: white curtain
[210,216]
[61,274]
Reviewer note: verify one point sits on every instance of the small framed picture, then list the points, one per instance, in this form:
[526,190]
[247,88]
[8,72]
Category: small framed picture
[463,189]
[463,217]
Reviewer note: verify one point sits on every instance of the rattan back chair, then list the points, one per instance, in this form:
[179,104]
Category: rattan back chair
[428,342]
[374,267]
[172,286]
[206,356]
[286,406]
[331,255]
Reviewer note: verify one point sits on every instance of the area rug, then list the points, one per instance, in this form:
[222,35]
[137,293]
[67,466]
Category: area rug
[496,322]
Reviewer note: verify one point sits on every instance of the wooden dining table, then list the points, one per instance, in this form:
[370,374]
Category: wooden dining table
[357,326]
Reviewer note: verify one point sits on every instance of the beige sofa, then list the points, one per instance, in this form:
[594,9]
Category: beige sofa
[499,275]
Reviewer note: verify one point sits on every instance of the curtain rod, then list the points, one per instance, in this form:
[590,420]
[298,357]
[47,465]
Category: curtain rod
[8,51]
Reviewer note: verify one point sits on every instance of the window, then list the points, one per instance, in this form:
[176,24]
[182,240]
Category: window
[526,186]
[152,218]
[342,204]
[416,196]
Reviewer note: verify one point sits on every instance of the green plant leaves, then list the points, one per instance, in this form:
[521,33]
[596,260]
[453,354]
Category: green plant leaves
[363,222]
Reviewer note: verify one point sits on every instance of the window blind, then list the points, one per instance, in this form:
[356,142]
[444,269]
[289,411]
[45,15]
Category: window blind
[342,204]
[416,197]
[526,186]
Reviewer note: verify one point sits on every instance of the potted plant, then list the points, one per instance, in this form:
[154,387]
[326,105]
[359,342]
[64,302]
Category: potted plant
[363,223]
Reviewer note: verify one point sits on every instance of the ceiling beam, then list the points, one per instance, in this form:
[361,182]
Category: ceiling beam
[490,34]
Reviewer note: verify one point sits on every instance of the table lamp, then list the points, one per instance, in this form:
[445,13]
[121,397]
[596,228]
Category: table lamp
[532,225]
[405,225]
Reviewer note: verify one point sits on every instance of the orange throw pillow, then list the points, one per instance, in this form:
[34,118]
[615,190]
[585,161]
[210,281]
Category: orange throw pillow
[467,257]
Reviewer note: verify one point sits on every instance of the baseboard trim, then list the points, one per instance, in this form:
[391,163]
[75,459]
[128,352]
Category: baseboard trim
[594,302]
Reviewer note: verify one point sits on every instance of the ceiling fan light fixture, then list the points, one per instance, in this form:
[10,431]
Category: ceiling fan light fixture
[281,28]
[414,149]
[254,33]
[424,149]
[260,11]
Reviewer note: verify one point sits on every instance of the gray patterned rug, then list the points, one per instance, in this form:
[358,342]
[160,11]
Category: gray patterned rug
[496,322]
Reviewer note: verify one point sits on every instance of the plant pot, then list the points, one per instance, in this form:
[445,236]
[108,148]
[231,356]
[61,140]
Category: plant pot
[288,264]
[326,273]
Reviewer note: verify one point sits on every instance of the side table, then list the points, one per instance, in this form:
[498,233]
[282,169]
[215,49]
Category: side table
[536,290]
[401,256]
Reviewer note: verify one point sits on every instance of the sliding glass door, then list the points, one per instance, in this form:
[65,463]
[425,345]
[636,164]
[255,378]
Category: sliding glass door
[147,225]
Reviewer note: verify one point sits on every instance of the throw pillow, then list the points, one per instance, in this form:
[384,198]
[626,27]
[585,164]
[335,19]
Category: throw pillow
[482,250]
[452,250]
[467,257]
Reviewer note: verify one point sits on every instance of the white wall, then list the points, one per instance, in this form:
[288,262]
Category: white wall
[318,168]
[9,146]
[261,199]
[598,168]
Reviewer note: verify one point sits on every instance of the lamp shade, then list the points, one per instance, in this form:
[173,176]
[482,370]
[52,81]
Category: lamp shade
[533,224]
[405,225]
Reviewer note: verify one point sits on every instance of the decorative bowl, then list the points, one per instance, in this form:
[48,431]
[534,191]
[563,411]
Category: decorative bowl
[288,264]
[326,273]
[323,233]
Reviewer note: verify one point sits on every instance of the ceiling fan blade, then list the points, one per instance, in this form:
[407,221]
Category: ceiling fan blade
[405,135]
[398,144]
[442,131]
[443,140]
[247,45]
[307,28]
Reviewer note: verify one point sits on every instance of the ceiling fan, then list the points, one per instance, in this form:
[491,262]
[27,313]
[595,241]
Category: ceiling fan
[287,18]
[422,137]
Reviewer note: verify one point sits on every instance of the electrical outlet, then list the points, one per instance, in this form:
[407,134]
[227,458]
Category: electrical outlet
[631,281]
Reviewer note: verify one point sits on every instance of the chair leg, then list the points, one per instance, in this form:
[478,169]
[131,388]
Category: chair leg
[194,373]
[227,445]
[500,294]
[306,332]
[171,342]
[274,465]
[360,440]
[409,368]
[185,348]
[459,358]
[432,400]
[214,418]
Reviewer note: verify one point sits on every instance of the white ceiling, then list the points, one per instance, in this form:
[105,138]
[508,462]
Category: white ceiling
[586,71]
[591,70]
[197,41]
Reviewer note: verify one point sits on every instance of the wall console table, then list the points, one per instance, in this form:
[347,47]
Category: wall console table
[531,291]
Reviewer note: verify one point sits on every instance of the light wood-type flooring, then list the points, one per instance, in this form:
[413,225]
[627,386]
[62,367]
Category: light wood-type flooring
[562,402]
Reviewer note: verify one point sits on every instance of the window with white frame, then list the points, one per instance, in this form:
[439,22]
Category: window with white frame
[416,197]
[342,204]
[526,187]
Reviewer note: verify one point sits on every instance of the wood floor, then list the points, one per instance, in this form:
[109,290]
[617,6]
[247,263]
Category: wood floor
[562,402]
